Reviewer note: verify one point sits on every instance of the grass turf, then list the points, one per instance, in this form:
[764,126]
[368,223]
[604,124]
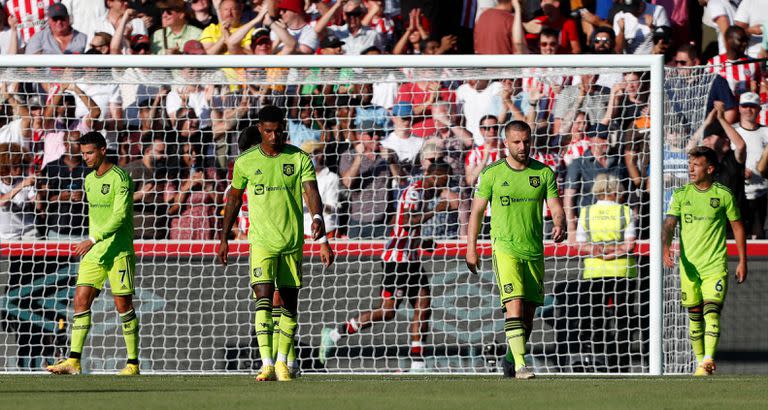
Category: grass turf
[390,392]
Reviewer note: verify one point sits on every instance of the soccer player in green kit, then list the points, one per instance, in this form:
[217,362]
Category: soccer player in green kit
[106,254]
[517,187]
[274,174]
[703,206]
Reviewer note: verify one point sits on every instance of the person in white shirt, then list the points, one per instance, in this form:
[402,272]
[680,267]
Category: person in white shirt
[17,194]
[477,99]
[634,28]
[718,14]
[750,16]
[356,37]
[328,185]
[406,145]
[291,12]
[755,186]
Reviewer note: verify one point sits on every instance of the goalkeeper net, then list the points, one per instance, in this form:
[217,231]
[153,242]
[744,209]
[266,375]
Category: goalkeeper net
[177,132]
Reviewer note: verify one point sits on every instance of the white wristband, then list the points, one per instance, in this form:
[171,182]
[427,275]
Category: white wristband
[318,217]
[322,239]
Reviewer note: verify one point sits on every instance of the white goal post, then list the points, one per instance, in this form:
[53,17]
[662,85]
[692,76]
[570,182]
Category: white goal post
[195,256]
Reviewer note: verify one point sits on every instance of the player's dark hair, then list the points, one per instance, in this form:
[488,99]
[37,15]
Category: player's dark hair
[271,113]
[517,126]
[704,152]
[93,138]
[249,137]
[439,168]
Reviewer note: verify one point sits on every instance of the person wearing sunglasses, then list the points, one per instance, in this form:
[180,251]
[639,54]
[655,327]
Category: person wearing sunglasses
[59,37]
[176,32]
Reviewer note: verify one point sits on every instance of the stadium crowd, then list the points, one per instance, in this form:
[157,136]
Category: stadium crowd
[369,139]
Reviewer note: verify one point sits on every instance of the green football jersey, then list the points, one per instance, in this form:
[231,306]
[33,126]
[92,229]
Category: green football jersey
[703,216]
[516,199]
[110,214]
[274,186]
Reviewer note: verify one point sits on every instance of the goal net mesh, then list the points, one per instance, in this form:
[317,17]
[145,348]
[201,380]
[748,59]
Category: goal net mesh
[177,131]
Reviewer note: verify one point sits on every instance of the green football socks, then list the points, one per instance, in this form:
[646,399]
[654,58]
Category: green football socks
[264,327]
[131,335]
[515,332]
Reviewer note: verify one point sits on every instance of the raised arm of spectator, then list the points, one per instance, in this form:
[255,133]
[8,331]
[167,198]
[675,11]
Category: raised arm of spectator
[20,109]
[740,146]
[401,47]
[234,42]
[433,90]
[762,164]
[13,40]
[94,112]
[220,45]
[326,18]
[374,7]
[290,44]
[417,20]
[617,92]
[507,105]
[349,175]
[116,45]
[618,27]
[722,23]
[518,34]
[695,139]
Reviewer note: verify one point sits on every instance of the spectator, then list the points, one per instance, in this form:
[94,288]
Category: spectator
[9,26]
[328,185]
[547,42]
[192,207]
[755,138]
[750,16]
[367,171]
[368,110]
[116,11]
[606,236]
[414,35]
[452,139]
[401,140]
[586,96]
[634,27]
[562,26]
[85,14]
[26,117]
[379,22]
[64,194]
[17,194]
[63,119]
[100,42]
[499,30]
[719,15]
[662,42]
[746,76]
[603,41]
[576,142]
[421,95]
[202,14]
[355,36]
[150,176]
[292,14]
[719,135]
[581,175]
[483,155]
[478,98]
[303,124]
[214,37]
[682,85]
[59,37]
[175,31]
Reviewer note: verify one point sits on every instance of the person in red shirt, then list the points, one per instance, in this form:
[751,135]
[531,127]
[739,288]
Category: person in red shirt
[422,95]
[554,18]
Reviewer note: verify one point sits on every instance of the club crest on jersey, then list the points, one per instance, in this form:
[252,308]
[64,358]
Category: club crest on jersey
[714,202]
[105,189]
[535,181]
[288,169]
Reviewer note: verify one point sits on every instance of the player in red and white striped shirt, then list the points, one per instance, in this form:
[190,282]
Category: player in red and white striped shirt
[403,276]
[741,78]
[31,15]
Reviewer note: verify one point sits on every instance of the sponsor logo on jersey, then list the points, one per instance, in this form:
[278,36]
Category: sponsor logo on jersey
[105,189]
[257,272]
[688,218]
[505,200]
[258,189]
[288,169]
[714,202]
[535,181]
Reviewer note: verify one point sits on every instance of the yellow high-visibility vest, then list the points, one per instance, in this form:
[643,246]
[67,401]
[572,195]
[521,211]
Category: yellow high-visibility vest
[605,223]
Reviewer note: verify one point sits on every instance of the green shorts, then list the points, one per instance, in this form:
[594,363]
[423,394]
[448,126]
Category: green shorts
[696,289]
[519,278]
[120,274]
[282,270]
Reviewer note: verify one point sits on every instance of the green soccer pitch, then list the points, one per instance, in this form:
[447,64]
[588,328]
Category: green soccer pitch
[385,392]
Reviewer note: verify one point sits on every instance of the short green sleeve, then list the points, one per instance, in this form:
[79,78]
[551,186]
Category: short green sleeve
[239,179]
[731,210]
[674,204]
[307,169]
[484,186]
[551,185]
